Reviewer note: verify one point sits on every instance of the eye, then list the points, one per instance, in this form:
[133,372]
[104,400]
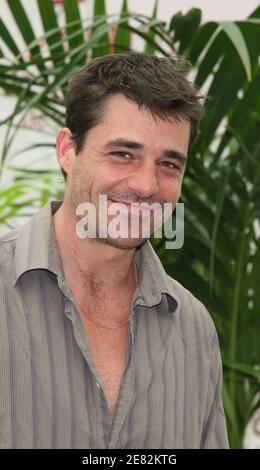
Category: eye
[121,154]
[170,165]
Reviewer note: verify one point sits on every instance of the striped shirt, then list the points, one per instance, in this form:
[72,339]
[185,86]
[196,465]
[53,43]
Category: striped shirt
[50,392]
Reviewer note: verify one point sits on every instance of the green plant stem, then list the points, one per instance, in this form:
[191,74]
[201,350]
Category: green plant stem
[234,320]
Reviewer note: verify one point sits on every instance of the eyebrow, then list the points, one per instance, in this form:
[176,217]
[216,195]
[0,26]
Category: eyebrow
[131,144]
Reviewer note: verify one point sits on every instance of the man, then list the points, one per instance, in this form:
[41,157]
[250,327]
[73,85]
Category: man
[99,347]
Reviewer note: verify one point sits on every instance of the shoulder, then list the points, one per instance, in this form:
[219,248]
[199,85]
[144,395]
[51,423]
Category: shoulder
[7,247]
[8,240]
[9,236]
[192,317]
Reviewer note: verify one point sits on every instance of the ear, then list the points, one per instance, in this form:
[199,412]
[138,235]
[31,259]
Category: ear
[65,149]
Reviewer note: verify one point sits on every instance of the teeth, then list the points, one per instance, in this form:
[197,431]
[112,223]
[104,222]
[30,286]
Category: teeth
[133,204]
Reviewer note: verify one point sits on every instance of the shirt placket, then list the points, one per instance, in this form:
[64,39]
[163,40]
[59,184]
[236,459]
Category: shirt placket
[126,393]
[72,314]
[111,432]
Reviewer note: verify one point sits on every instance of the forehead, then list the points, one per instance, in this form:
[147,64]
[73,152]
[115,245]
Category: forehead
[123,118]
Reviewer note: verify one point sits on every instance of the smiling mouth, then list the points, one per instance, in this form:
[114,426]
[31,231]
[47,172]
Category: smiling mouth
[130,203]
[121,202]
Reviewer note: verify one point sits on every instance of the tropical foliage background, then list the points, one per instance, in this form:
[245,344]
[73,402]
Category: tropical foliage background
[220,261]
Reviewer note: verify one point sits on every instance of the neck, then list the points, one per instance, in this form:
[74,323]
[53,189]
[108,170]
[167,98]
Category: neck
[90,265]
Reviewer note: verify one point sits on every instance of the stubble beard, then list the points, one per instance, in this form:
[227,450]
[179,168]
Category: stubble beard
[129,243]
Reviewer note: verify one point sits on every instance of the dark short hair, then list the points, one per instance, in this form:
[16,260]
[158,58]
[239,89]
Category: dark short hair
[158,84]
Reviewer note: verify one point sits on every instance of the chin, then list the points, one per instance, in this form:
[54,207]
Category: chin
[123,243]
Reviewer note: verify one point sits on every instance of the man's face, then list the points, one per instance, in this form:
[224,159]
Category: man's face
[130,156]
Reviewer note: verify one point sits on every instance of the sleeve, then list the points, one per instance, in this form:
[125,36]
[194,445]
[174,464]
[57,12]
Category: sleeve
[214,432]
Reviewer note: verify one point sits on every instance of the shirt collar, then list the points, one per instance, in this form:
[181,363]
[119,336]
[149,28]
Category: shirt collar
[36,248]
[153,280]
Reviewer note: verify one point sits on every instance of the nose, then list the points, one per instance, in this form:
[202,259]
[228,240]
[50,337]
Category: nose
[143,181]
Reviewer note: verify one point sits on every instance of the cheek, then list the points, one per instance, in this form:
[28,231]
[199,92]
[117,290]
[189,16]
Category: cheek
[170,190]
[114,171]
[106,179]
[79,183]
